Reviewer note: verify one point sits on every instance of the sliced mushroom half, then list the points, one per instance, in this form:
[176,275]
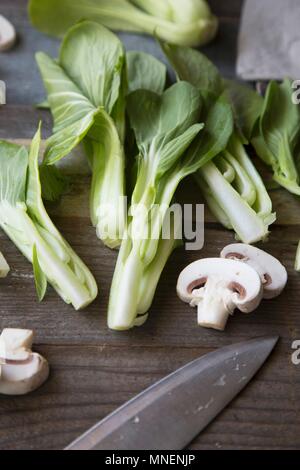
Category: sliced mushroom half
[22,370]
[272,273]
[7,34]
[218,286]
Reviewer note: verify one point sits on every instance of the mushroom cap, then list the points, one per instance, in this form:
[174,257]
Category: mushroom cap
[7,34]
[22,377]
[272,273]
[241,279]
[21,370]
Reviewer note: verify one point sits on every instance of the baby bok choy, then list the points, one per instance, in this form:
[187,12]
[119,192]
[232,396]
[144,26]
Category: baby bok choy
[172,145]
[185,22]
[24,219]
[86,94]
[233,189]
[276,135]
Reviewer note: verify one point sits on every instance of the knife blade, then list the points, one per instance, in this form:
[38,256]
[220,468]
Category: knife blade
[269,40]
[169,414]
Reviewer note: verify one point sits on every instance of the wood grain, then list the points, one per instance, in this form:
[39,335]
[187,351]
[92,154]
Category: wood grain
[94,370]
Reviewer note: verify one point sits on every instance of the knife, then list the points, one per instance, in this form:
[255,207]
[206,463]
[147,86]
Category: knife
[269,40]
[169,414]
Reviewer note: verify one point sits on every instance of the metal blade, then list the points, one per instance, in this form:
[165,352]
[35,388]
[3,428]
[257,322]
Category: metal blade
[169,414]
[269,40]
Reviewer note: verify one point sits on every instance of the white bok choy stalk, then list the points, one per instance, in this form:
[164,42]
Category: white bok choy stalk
[274,133]
[177,11]
[184,22]
[231,185]
[167,130]
[24,219]
[86,94]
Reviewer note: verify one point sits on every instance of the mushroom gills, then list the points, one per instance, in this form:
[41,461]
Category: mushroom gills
[217,286]
[271,271]
[21,370]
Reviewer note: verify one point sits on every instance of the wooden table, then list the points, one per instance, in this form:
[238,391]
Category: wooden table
[94,370]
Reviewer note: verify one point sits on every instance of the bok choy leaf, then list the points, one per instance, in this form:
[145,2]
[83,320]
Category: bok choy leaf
[167,131]
[86,95]
[241,203]
[164,126]
[185,22]
[277,134]
[24,219]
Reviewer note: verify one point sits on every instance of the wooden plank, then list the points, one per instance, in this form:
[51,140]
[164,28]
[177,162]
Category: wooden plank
[88,383]
[94,370]
[171,323]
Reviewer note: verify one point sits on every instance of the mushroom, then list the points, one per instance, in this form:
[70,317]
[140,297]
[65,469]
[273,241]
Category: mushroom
[21,370]
[272,273]
[7,34]
[217,286]
[4,268]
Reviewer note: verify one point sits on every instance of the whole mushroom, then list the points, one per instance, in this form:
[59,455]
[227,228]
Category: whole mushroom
[272,273]
[217,286]
[21,370]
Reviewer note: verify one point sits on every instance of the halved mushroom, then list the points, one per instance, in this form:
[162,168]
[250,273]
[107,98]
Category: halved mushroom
[272,273]
[4,268]
[217,286]
[7,34]
[21,370]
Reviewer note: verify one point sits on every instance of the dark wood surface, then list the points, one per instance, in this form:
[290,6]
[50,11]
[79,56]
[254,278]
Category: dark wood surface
[94,370]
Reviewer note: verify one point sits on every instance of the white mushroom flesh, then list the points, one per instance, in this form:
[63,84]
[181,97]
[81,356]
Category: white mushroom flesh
[7,34]
[21,370]
[217,286]
[272,273]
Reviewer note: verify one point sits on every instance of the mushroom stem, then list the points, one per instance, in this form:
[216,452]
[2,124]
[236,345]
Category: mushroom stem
[214,307]
[215,315]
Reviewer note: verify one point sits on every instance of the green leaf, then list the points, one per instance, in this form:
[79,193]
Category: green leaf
[13,172]
[93,58]
[63,142]
[176,148]
[67,102]
[194,67]
[218,128]
[24,219]
[145,72]
[247,107]
[53,182]
[278,132]
[43,105]
[86,90]
[39,277]
[160,118]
